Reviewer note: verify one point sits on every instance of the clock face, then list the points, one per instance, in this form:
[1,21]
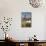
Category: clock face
[35,3]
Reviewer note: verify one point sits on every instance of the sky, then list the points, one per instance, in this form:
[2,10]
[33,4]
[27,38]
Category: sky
[26,14]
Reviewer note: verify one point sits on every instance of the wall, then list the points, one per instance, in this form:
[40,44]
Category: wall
[13,8]
[45,28]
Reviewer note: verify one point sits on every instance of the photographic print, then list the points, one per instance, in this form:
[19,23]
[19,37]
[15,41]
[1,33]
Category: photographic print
[26,19]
